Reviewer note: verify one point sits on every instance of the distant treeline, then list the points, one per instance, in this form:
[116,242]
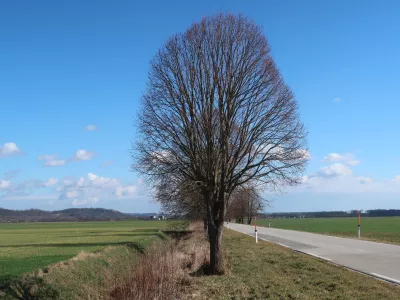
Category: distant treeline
[335,214]
[71,214]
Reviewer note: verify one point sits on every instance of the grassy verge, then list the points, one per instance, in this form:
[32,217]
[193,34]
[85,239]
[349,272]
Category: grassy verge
[156,267]
[25,247]
[382,229]
[268,271]
[89,275]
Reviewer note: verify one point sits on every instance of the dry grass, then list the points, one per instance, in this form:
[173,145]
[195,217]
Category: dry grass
[160,271]
[163,271]
[269,271]
[90,276]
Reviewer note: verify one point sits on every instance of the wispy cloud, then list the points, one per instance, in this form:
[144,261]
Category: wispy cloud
[9,149]
[53,160]
[4,184]
[106,163]
[93,188]
[11,173]
[91,127]
[334,170]
[10,190]
[83,155]
[347,158]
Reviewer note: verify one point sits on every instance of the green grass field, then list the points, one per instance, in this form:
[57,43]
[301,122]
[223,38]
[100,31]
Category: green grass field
[25,247]
[385,229]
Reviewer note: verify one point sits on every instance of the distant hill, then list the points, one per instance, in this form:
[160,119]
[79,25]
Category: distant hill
[71,214]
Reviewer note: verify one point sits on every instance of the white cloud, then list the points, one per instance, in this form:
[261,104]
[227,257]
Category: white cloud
[5,184]
[91,127]
[24,188]
[52,160]
[91,200]
[102,182]
[50,182]
[84,190]
[67,182]
[349,185]
[338,178]
[83,155]
[353,162]
[364,180]
[9,149]
[79,191]
[71,194]
[48,157]
[125,191]
[334,170]
[347,158]
[337,100]
[305,153]
[55,163]
[92,176]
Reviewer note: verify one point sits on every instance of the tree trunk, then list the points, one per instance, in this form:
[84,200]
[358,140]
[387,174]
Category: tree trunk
[216,255]
[205,224]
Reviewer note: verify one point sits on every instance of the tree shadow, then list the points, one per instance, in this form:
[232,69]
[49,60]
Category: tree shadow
[5,279]
[204,270]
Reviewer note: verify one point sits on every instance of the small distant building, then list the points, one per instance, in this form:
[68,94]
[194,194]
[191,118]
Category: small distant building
[157,217]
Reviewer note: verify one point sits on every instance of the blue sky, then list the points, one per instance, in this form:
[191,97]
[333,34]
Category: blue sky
[67,65]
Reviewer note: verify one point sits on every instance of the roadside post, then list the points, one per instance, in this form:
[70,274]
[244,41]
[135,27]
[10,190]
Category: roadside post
[359,225]
[255,227]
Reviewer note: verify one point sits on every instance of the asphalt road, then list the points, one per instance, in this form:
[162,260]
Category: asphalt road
[376,259]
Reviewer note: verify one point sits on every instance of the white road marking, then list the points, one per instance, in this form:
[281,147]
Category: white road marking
[386,278]
[364,241]
[283,245]
[265,240]
[360,250]
[321,257]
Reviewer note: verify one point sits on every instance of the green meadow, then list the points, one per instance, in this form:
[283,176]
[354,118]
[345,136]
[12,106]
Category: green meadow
[25,247]
[381,229]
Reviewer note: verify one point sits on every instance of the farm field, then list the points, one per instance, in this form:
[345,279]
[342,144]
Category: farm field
[25,247]
[380,229]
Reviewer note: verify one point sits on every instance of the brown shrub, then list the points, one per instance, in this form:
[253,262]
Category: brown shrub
[163,271]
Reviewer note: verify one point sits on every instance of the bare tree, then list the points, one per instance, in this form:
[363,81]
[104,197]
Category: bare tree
[181,199]
[217,115]
[255,203]
[245,203]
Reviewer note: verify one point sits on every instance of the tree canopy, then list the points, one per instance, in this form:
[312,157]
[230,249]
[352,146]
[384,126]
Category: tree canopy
[216,116]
